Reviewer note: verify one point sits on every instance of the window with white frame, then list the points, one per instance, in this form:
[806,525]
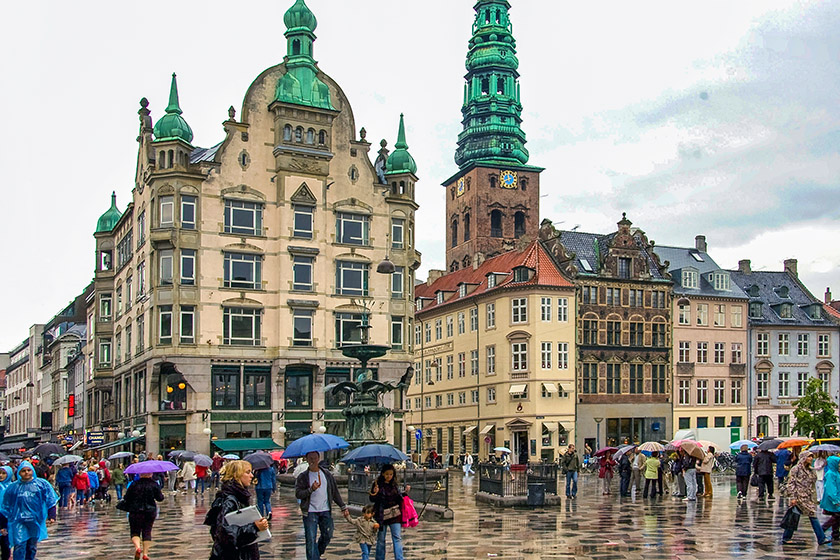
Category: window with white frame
[461,323]
[462,364]
[303,219]
[719,315]
[736,315]
[735,392]
[450,367]
[702,352]
[187,268]
[141,280]
[690,278]
[545,309]
[462,290]
[801,383]
[428,402]
[737,355]
[491,315]
[188,206]
[784,384]
[242,326]
[762,385]
[450,326]
[104,351]
[141,229]
[491,360]
[243,218]
[428,332]
[418,334]
[520,396]
[473,319]
[167,211]
[462,397]
[545,355]
[450,399]
[302,327]
[684,394]
[347,328]
[187,331]
[563,310]
[438,329]
[824,345]
[703,314]
[351,278]
[562,355]
[491,280]
[165,267]
[398,282]
[762,346]
[491,394]
[685,351]
[784,344]
[473,362]
[302,273]
[519,310]
[438,401]
[397,233]
[243,271]
[438,365]
[720,391]
[474,396]
[397,326]
[105,307]
[721,281]
[825,377]
[720,352]
[519,356]
[702,391]
[684,313]
[352,229]
[802,344]
[165,324]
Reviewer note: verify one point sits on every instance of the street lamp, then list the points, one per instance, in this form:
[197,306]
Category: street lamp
[598,433]
[322,429]
[135,433]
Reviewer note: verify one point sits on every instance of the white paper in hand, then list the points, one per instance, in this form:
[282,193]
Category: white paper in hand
[245,516]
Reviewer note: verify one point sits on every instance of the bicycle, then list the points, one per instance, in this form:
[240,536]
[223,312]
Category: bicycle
[724,463]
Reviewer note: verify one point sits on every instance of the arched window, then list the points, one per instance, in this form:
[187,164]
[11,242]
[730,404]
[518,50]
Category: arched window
[454,266]
[492,181]
[299,134]
[402,188]
[763,425]
[498,13]
[161,159]
[171,158]
[523,184]
[500,85]
[454,233]
[287,133]
[322,138]
[296,46]
[485,86]
[467,261]
[467,226]
[518,225]
[310,136]
[496,223]
[487,16]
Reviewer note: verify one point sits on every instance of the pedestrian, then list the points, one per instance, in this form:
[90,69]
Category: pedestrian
[468,463]
[29,505]
[64,481]
[388,506]
[819,470]
[93,477]
[366,528]
[234,542]
[800,489]
[431,458]
[830,502]
[140,503]
[200,478]
[689,468]
[316,489]
[81,482]
[118,478]
[605,472]
[784,462]
[570,463]
[215,467]
[678,482]
[625,470]
[636,474]
[188,474]
[763,467]
[104,481]
[743,469]
[266,486]
[5,482]
[587,452]
[706,470]
[651,473]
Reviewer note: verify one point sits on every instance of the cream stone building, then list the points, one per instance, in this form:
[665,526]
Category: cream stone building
[494,348]
[225,288]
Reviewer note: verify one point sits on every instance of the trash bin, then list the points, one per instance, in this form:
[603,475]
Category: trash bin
[536,494]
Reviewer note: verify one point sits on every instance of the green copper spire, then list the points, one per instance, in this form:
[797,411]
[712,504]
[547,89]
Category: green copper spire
[109,219]
[172,125]
[300,84]
[492,110]
[400,161]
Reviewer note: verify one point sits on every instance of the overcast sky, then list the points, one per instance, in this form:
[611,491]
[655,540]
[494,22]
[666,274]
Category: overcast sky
[696,117]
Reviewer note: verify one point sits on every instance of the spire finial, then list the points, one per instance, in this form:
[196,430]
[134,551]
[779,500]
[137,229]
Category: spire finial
[174,106]
[114,199]
[401,143]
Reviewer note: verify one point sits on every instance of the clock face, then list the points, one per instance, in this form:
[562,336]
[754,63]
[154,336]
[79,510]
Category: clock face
[459,190]
[507,179]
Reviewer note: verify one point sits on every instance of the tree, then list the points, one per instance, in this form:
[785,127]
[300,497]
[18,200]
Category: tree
[815,411]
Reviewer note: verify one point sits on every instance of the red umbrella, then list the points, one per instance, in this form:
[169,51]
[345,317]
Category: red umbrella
[276,455]
[605,450]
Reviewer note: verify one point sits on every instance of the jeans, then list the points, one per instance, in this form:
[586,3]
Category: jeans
[312,522]
[80,496]
[200,482]
[214,479]
[64,492]
[264,501]
[27,549]
[396,537]
[624,487]
[571,483]
[815,524]
[365,551]
[691,484]
[648,483]
[119,488]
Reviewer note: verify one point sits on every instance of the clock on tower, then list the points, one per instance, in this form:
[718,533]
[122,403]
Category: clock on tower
[508,179]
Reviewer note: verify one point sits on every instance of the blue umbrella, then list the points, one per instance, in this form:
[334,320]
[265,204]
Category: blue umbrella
[827,447]
[374,453]
[736,446]
[314,442]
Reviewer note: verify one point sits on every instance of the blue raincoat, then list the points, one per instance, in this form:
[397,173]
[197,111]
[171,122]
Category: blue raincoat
[831,485]
[3,486]
[25,506]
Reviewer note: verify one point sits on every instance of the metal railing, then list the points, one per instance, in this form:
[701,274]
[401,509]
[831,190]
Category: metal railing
[502,481]
[543,473]
[427,486]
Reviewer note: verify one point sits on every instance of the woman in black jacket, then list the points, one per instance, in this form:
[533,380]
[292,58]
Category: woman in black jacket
[388,503]
[234,542]
[139,502]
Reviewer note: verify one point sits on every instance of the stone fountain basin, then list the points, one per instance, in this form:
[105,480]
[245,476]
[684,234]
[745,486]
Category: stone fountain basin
[364,352]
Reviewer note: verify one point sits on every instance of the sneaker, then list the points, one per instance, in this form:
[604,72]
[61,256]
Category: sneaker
[137,553]
[826,541]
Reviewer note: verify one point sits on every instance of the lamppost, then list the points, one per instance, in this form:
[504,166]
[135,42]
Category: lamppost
[433,365]
[598,433]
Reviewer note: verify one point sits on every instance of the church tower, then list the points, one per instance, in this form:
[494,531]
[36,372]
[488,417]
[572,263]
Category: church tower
[493,199]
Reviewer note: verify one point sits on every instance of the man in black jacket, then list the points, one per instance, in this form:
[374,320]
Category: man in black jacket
[625,469]
[316,489]
[763,467]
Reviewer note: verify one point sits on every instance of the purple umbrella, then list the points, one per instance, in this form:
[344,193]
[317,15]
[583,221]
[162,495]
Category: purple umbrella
[146,467]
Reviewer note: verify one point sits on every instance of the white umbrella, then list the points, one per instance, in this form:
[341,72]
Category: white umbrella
[68,460]
[622,450]
[502,449]
[121,455]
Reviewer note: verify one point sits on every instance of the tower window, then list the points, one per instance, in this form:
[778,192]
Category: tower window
[310,136]
[487,16]
[492,181]
[500,84]
[322,138]
[518,225]
[496,223]
[296,46]
[466,227]
[454,233]
[287,133]
[485,86]
[523,184]
[299,134]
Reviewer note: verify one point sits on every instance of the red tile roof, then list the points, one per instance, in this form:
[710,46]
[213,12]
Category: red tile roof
[835,313]
[534,256]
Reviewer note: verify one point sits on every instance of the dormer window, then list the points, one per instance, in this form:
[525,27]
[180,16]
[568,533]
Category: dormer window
[585,264]
[418,305]
[786,311]
[815,312]
[782,291]
[755,310]
[754,290]
[690,278]
[440,297]
[720,281]
[462,290]
[491,280]
[522,274]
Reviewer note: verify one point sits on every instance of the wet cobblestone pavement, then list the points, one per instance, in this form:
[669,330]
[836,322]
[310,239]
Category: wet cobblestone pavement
[593,526]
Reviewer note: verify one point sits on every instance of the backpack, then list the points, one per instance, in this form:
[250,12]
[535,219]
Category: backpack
[409,514]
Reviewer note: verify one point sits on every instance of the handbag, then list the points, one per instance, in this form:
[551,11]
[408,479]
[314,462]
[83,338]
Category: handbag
[392,512]
[755,480]
[122,505]
[791,519]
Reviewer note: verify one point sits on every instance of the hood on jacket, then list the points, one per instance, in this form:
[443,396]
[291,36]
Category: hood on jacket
[9,476]
[26,464]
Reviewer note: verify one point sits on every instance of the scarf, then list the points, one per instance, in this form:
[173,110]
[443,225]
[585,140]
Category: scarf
[233,488]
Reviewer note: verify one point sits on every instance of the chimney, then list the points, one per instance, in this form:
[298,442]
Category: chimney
[744,266]
[828,295]
[790,267]
[700,243]
[434,275]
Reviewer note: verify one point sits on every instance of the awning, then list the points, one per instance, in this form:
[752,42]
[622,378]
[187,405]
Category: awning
[518,388]
[116,443]
[487,429]
[550,426]
[75,445]
[246,444]
[15,445]
[550,387]
[470,429]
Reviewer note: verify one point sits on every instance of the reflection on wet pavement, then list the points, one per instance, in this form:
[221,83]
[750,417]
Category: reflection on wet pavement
[593,526]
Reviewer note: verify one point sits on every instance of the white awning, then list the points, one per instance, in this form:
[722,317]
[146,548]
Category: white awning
[518,388]
[551,426]
[470,429]
[487,429]
[550,387]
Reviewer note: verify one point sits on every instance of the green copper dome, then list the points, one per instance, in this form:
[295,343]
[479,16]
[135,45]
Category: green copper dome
[109,219]
[400,161]
[300,15]
[172,125]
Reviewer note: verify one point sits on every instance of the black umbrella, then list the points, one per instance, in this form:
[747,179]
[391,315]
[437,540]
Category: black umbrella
[187,455]
[15,456]
[47,449]
[259,460]
[769,444]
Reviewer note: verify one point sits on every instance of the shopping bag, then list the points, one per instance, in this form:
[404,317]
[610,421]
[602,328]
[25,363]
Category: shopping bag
[409,513]
[791,519]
